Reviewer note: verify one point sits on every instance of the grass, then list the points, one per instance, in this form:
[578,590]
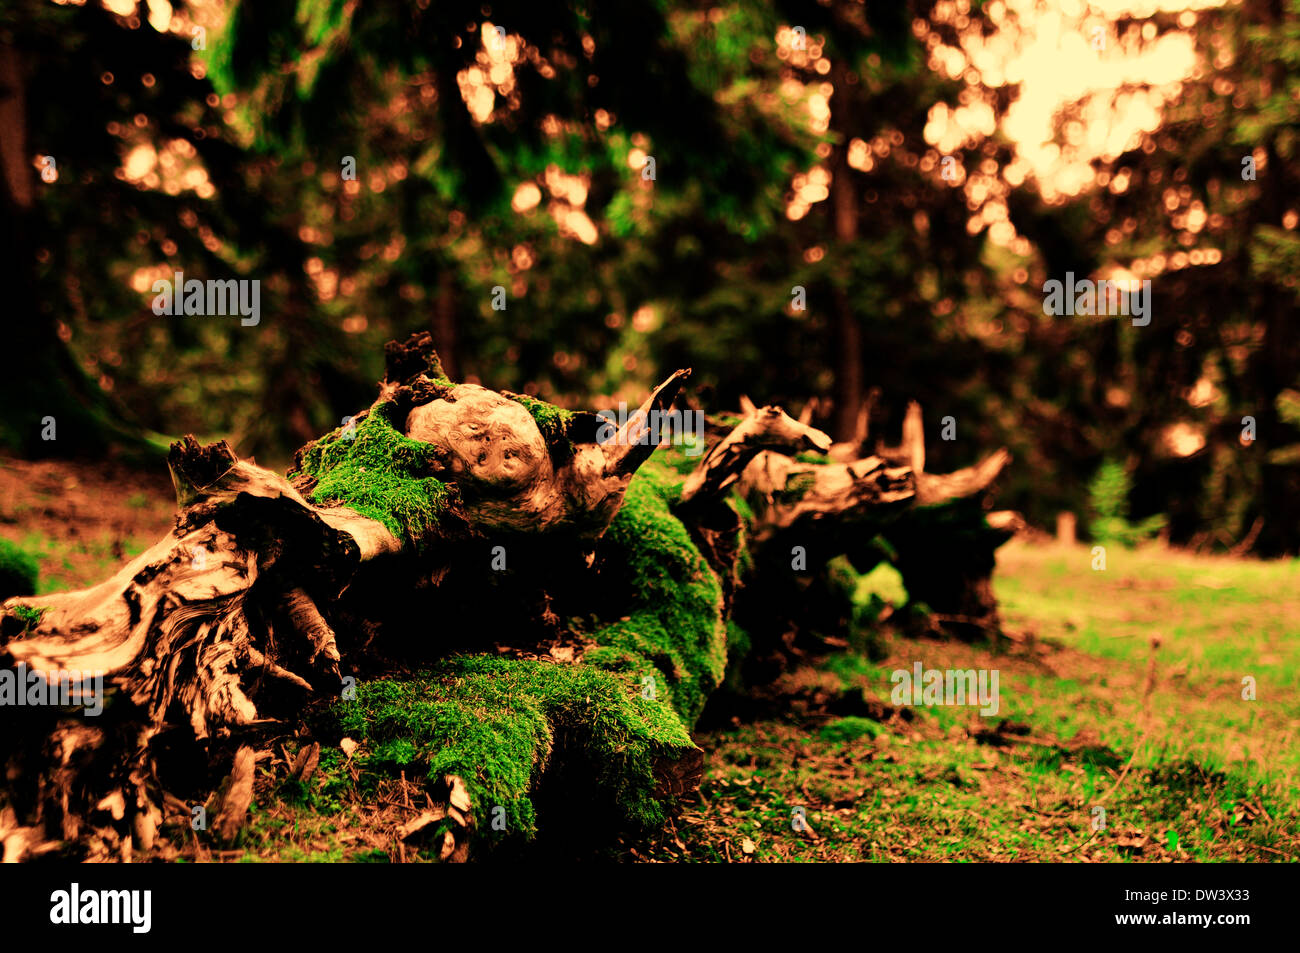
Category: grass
[71,563]
[1212,776]
[1219,621]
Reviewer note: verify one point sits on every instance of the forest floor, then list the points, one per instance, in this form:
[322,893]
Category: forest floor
[1105,747]
[1091,716]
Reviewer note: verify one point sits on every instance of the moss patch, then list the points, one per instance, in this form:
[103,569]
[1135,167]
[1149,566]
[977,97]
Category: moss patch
[683,455]
[674,630]
[850,729]
[515,729]
[495,723]
[379,472]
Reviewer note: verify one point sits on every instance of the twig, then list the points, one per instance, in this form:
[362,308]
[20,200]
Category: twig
[1071,850]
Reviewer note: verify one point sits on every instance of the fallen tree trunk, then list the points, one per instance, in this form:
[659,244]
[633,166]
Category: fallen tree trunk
[807,511]
[269,590]
[460,580]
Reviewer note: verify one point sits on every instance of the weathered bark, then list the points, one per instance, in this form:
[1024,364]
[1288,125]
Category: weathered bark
[767,429]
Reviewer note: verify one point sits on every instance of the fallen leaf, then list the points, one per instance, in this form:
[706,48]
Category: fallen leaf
[1133,842]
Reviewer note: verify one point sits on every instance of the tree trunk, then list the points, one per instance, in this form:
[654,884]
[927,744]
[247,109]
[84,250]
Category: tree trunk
[932,527]
[848,333]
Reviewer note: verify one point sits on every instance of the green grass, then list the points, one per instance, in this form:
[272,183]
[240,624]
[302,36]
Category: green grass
[1213,777]
[1218,620]
[75,563]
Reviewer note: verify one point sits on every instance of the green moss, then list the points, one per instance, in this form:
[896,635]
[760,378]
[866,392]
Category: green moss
[552,421]
[850,728]
[884,582]
[18,570]
[499,723]
[674,627]
[743,508]
[376,470]
[796,488]
[495,723]
[682,457]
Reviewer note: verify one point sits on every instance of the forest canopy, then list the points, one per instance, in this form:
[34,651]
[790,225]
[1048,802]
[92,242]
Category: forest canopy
[852,203]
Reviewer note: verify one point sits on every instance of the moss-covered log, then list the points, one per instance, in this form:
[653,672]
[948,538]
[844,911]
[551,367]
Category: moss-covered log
[269,595]
[502,599]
